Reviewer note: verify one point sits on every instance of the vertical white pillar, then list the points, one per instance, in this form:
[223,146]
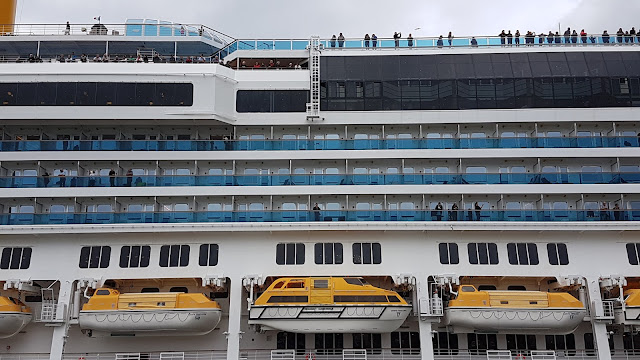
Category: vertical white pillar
[59,338]
[425,325]
[235,314]
[600,335]
[426,340]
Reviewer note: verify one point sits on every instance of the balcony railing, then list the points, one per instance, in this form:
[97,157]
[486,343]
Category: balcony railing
[364,144]
[166,217]
[318,180]
[168,355]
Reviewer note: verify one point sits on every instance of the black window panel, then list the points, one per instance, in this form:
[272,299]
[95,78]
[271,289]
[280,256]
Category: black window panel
[447,95]
[493,254]
[124,256]
[46,94]
[357,253]
[467,94]
[577,64]
[339,257]
[506,95]
[523,258]
[377,253]
[620,91]
[409,66]
[429,99]
[105,256]
[105,94]
[336,69]
[589,342]
[465,71]
[563,92]
[559,68]
[184,94]
[8,94]
[410,92]
[596,64]
[602,92]
[94,260]
[328,253]
[532,249]
[391,99]
[318,253]
[503,69]
[134,262]
[366,253]
[66,94]
[145,256]
[86,94]
[513,255]
[281,101]
[524,92]
[126,94]
[27,94]
[184,255]
[354,67]
[145,94]
[16,257]
[290,257]
[483,70]
[537,56]
[25,262]
[165,94]
[174,255]
[390,68]
[540,68]
[443,249]
[253,101]
[164,256]
[472,250]
[632,254]
[483,255]
[372,68]
[582,92]
[520,65]
[299,254]
[446,71]
[84,257]
[631,62]
[616,68]
[543,92]
[429,67]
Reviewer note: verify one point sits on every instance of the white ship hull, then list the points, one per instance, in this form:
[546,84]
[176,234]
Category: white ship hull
[150,323]
[330,319]
[522,321]
[12,323]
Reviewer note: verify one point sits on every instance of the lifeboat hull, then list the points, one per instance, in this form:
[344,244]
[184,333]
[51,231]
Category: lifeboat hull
[330,319]
[12,323]
[630,315]
[522,321]
[181,322]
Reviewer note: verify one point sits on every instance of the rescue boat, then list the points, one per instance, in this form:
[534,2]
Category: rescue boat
[328,305]
[14,316]
[630,313]
[108,312]
[524,312]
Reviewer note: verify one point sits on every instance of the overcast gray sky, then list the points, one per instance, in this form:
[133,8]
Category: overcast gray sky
[250,19]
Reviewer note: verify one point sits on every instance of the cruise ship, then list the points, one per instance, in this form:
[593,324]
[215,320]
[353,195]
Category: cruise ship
[169,192]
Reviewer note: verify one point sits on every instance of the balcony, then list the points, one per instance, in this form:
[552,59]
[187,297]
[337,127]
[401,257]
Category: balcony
[292,216]
[320,180]
[288,145]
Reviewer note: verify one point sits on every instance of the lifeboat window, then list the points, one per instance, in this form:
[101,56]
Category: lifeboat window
[180,289]
[150,290]
[132,304]
[103,292]
[295,284]
[393,299]
[504,302]
[287,299]
[353,281]
[468,289]
[486,287]
[161,303]
[278,285]
[533,302]
[517,288]
[321,284]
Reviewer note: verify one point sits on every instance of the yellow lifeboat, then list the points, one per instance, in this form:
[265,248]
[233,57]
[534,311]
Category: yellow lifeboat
[328,305]
[14,316]
[508,311]
[631,313]
[148,314]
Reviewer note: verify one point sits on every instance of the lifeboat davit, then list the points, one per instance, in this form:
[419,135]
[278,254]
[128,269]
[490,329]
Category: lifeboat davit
[523,312]
[14,316]
[328,305]
[148,314]
[630,315]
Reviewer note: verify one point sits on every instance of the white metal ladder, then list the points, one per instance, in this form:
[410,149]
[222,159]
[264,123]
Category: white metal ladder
[313,107]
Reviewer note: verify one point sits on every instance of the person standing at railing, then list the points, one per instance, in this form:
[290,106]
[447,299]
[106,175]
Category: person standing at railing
[583,36]
[332,42]
[616,212]
[541,39]
[316,212]
[605,37]
[67,29]
[366,40]
[574,37]
[340,40]
[112,178]
[502,36]
[453,214]
[558,38]
[509,38]
[619,36]
[478,208]
[567,36]
[632,34]
[550,38]
[45,178]
[604,212]
[517,37]
[440,42]
[374,40]
[410,40]
[63,179]
[396,38]
[450,38]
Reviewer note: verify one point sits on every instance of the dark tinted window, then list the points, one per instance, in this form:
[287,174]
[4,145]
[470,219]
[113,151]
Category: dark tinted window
[523,254]
[208,255]
[290,254]
[371,342]
[448,253]
[328,253]
[265,101]
[135,256]
[367,253]
[404,342]
[483,253]
[94,257]
[632,253]
[558,254]
[174,255]
[15,258]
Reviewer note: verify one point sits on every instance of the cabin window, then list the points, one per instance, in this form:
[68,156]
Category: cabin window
[521,342]
[589,343]
[135,256]
[371,342]
[179,289]
[486,287]
[278,285]
[483,253]
[517,288]
[321,284]
[558,254]
[445,343]
[468,289]
[631,341]
[329,344]
[478,344]
[15,258]
[354,281]
[523,254]
[103,292]
[94,257]
[367,253]
[560,342]
[328,254]
[208,255]
[150,290]
[291,341]
[449,253]
[393,299]
[290,254]
[296,284]
[287,299]
[405,342]
[174,255]
[632,253]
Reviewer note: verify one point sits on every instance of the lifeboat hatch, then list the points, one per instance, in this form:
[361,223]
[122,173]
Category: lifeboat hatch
[152,307]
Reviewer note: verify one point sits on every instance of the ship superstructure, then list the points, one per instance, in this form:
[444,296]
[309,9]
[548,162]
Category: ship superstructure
[469,201]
